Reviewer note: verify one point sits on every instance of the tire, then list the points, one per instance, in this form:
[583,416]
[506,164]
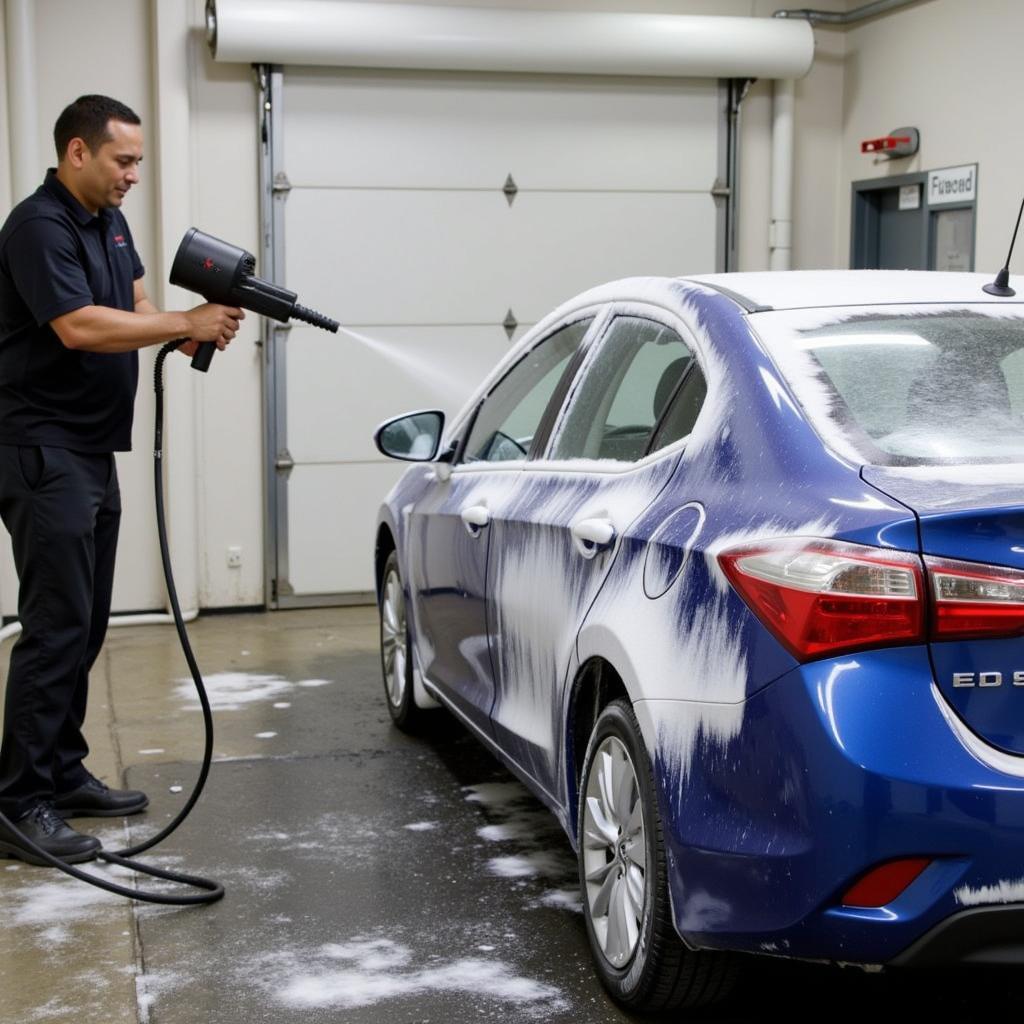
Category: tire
[623,877]
[396,653]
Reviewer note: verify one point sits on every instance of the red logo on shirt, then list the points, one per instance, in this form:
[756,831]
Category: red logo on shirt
[119,242]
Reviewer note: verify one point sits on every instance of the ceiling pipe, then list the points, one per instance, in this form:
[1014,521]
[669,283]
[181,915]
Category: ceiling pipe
[22,93]
[829,18]
[346,33]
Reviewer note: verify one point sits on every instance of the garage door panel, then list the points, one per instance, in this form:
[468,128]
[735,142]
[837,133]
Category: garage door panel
[466,258]
[396,225]
[407,130]
[341,387]
[332,524]
[592,238]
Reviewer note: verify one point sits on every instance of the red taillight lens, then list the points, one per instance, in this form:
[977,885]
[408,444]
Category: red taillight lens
[972,601]
[883,884]
[821,597]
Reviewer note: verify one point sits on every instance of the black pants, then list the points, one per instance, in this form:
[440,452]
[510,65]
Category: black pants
[62,509]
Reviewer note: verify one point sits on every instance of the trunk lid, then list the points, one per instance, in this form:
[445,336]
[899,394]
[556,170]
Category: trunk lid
[971,513]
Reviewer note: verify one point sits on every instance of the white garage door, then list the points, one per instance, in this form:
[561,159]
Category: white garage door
[434,215]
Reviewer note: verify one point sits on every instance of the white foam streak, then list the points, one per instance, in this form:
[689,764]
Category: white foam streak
[1005,891]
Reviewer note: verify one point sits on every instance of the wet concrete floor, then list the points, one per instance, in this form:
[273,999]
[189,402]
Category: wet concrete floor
[370,877]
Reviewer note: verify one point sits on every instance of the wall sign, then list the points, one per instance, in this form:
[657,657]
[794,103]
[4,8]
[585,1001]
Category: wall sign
[910,197]
[953,185]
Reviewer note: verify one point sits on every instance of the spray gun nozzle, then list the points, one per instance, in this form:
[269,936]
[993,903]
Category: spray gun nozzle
[311,316]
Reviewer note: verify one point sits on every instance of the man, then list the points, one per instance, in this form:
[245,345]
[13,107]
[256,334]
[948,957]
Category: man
[73,313]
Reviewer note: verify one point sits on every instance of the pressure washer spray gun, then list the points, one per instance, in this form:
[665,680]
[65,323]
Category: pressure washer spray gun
[223,273]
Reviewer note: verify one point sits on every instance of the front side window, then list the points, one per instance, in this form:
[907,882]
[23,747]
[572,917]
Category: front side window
[511,414]
[906,388]
[634,378]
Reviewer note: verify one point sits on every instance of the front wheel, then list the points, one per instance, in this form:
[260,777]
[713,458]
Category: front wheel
[396,654]
[639,957]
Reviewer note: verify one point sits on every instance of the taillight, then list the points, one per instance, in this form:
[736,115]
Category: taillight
[821,597]
[972,601]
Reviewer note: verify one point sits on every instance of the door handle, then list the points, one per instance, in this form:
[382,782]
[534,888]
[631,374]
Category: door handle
[592,535]
[475,518]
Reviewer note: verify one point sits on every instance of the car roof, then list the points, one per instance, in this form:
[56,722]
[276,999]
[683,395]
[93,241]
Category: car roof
[803,289]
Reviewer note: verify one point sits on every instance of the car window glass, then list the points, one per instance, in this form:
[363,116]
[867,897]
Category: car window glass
[624,392]
[1013,371]
[682,413]
[932,387]
[510,415]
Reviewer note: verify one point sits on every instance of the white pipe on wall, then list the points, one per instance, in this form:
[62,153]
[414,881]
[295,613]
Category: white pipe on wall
[418,36]
[22,108]
[13,629]
[780,228]
[182,466]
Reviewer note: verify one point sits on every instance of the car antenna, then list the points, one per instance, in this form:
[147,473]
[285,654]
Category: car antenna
[1001,285]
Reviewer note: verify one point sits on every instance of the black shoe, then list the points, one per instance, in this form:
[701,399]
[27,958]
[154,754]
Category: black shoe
[46,828]
[95,799]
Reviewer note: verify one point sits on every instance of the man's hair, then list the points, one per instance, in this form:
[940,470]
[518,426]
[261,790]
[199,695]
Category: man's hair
[87,119]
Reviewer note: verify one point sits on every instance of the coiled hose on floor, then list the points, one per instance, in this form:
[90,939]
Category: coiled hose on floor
[212,890]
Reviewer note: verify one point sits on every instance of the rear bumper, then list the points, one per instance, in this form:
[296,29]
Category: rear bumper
[775,809]
[990,936]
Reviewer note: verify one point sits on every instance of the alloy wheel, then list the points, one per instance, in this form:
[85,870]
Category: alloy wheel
[614,851]
[393,637]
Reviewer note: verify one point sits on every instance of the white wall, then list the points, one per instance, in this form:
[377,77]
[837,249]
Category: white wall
[954,71]
[225,203]
[128,50]
[817,133]
[8,582]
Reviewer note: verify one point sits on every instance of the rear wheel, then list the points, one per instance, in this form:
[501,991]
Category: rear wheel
[639,957]
[396,654]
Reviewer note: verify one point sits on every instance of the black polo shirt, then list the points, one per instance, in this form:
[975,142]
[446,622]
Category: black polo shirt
[56,257]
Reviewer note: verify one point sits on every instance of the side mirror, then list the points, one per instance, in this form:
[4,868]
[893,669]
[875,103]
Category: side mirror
[414,437]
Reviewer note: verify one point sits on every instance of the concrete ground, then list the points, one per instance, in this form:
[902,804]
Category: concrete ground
[370,877]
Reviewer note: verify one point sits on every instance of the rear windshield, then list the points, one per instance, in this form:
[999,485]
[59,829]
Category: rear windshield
[907,388]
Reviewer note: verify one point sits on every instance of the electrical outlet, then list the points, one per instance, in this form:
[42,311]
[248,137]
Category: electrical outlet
[234,557]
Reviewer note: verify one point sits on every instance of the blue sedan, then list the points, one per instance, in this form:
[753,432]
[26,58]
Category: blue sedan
[729,571]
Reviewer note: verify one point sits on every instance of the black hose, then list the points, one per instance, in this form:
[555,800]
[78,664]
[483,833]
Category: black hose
[213,889]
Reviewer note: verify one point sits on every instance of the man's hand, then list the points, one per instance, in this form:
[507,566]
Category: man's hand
[211,322]
[105,329]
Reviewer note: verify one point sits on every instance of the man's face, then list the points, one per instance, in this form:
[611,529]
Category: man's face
[104,177]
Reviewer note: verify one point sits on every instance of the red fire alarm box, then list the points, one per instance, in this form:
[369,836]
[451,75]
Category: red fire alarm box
[899,142]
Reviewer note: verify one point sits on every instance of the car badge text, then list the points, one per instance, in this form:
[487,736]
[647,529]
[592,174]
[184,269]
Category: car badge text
[987,679]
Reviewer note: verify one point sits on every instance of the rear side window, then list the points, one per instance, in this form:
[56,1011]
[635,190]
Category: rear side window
[681,415]
[625,393]
[913,388]
[510,415]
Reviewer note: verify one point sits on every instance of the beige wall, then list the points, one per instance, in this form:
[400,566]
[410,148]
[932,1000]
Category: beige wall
[96,46]
[5,167]
[230,457]
[816,177]
[940,66]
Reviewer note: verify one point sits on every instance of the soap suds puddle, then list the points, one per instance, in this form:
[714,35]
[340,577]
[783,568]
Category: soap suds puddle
[533,846]
[368,970]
